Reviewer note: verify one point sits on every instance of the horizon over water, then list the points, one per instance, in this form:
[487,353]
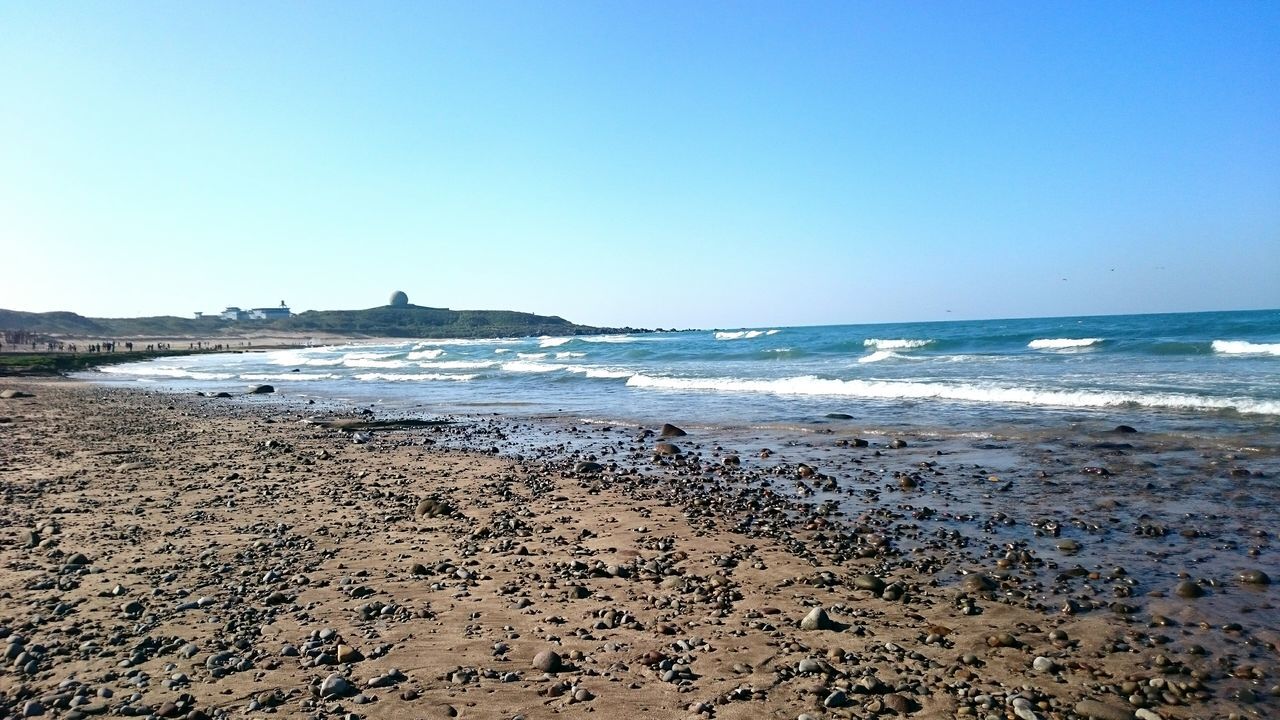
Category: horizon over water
[1206,373]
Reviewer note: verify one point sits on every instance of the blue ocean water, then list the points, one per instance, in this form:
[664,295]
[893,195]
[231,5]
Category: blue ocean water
[1203,373]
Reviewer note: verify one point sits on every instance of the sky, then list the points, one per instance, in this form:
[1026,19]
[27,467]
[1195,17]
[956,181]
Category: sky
[652,164]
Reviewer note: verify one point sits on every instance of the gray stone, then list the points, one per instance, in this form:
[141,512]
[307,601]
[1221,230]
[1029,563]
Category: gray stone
[334,686]
[1043,664]
[808,665]
[665,448]
[817,619]
[1102,711]
[869,582]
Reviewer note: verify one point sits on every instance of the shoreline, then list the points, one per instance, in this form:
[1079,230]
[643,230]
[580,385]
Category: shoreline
[704,565]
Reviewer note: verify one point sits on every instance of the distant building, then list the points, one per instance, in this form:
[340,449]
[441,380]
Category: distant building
[234,313]
[271,313]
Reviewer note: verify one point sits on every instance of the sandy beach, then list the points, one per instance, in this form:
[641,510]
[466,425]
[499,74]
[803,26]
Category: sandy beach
[186,556]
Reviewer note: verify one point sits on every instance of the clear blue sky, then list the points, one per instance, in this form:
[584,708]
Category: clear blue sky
[643,163]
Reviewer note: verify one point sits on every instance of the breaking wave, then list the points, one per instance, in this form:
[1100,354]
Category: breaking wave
[895,390]
[744,334]
[168,372]
[1241,347]
[895,344]
[1062,343]
[413,377]
[282,377]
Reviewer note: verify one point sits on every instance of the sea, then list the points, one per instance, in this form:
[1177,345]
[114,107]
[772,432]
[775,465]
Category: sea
[1208,374]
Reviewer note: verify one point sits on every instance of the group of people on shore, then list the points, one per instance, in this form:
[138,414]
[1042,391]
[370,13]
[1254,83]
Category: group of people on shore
[24,341]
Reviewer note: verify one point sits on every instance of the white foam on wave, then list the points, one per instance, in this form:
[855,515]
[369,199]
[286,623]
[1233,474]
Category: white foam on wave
[439,342]
[563,355]
[154,371]
[1243,347]
[1062,343]
[500,351]
[413,377]
[592,371]
[431,354]
[550,342]
[980,393]
[365,360]
[292,377]
[879,355]
[607,338]
[532,356]
[894,344]
[744,334]
[458,364]
[303,357]
[525,366]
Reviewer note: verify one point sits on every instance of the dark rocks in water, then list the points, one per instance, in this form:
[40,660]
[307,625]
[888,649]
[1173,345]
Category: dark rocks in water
[1099,471]
[839,416]
[665,448]
[731,461]
[587,467]
[669,431]
[433,507]
[262,390]
[1254,577]
[1125,429]
[897,443]
[1188,589]
[547,661]
[977,582]
[859,442]
[221,395]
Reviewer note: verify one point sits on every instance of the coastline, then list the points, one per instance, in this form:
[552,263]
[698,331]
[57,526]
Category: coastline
[669,584]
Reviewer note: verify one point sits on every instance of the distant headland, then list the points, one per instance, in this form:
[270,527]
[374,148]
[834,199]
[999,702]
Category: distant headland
[398,319]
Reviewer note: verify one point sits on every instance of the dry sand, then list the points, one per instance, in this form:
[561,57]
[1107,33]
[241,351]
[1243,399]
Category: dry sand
[183,556]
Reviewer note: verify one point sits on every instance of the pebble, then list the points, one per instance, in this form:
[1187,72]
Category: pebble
[334,686]
[1254,577]
[1102,711]
[547,661]
[817,619]
[836,699]
[1188,589]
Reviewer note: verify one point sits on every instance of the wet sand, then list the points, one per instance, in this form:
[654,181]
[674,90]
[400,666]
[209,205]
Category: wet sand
[186,556]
